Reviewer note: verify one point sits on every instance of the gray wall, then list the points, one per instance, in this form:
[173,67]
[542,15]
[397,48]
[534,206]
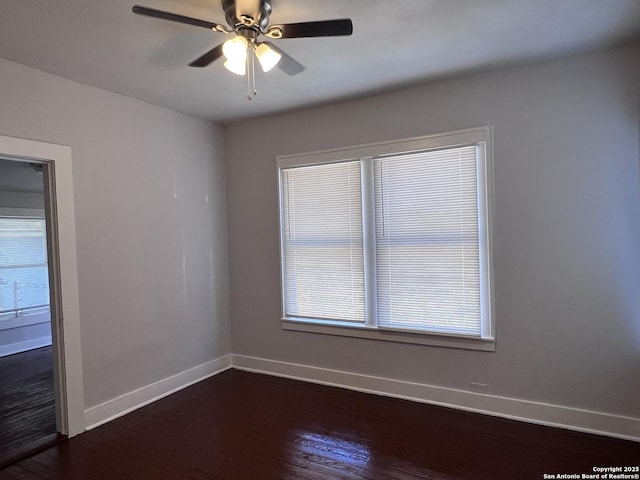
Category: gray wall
[566,230]
[150,205]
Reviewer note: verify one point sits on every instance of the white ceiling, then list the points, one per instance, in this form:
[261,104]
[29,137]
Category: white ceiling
[395,43]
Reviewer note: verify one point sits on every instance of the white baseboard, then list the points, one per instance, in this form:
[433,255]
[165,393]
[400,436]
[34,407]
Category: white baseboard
[117,407]
[587,421]
[20,347]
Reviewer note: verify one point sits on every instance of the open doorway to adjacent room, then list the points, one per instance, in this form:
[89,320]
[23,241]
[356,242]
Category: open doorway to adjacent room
[27,392]
[60,364]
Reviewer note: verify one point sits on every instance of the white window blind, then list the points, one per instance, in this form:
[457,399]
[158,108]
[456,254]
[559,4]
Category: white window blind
[322,242]
[24,279]
[427,242]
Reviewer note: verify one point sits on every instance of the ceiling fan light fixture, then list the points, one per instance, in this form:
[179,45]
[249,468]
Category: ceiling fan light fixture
[237,67]
[267,57]
[235,50]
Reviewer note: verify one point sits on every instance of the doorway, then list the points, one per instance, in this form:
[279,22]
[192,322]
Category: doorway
[60,371]
[27,393]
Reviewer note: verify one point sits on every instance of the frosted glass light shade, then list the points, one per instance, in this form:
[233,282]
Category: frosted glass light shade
[267,57]
[239,68]
[235,50]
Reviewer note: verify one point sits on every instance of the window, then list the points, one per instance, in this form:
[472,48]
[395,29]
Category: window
[322,237]
[390,240]
[24,283]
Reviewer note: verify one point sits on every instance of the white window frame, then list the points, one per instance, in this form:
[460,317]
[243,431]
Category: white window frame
[473,136]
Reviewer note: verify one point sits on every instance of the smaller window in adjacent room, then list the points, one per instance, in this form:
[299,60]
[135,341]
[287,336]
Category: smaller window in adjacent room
[390,240]
[24,283]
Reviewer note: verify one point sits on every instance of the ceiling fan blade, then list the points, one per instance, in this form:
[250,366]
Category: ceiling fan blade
[287,64]
[152,12]
[325,28]
[209,57]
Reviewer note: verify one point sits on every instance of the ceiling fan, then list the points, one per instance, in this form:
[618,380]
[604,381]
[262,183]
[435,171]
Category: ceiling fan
[249,21]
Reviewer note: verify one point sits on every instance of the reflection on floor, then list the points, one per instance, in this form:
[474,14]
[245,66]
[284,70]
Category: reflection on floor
[27,403]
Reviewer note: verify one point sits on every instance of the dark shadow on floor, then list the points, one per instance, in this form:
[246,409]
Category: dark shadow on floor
[27,402]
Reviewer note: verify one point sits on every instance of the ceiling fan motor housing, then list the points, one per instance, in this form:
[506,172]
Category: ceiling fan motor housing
[244,16]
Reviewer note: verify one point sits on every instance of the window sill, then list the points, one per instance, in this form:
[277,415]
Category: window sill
[420,338]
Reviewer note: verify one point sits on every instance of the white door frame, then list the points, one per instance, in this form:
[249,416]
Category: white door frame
[63,274]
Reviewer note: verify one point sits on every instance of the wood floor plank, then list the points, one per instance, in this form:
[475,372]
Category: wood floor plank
[21,473]
[239,425]
[66,461]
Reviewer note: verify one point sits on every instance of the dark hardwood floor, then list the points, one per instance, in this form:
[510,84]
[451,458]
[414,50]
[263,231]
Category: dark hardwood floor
[239,425]
[27,403]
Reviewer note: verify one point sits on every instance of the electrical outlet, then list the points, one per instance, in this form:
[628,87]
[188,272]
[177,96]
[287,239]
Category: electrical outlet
[479,385]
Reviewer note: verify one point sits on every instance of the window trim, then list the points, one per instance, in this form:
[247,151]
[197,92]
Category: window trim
[453,139]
